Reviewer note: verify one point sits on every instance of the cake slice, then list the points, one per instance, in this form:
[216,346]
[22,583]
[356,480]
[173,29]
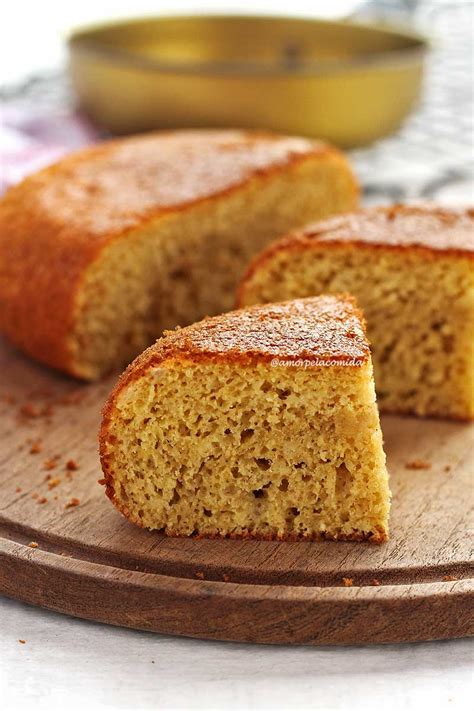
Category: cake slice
[102,251]
[411,271]
[259,423]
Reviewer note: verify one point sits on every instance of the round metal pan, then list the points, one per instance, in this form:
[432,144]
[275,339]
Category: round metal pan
[341,81]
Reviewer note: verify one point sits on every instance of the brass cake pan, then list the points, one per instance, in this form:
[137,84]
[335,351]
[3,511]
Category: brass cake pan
[345,82]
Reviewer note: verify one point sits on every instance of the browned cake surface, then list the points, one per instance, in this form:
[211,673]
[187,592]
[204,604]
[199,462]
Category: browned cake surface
[137,178]
[58,221]
[326,328]
[399,226]
[404,225]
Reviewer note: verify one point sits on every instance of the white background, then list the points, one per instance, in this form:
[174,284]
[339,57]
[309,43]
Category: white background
[71,664]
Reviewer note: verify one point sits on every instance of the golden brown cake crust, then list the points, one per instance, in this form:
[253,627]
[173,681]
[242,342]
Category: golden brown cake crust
[439,229]
[116,186]
[71,210]
[322,328]
[401,226]
[432,229]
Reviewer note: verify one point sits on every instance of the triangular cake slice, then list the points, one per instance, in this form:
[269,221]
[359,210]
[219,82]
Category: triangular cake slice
[258,423]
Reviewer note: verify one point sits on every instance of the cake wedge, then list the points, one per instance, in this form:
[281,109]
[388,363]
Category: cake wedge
[411,269]
[259,423]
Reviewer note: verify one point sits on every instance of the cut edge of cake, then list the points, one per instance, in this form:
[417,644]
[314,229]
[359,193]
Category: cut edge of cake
[141,234]
[437,240]
[219,349]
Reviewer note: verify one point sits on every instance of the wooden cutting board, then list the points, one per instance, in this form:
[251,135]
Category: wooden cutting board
[90,562]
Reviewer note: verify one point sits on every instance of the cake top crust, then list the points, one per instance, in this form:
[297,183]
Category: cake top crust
[116,186]
[401,226]
[321,328]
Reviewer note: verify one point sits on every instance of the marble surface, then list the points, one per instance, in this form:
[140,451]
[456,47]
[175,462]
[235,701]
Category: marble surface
[69,664]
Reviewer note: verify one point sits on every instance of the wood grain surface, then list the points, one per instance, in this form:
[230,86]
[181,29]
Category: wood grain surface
[90,562]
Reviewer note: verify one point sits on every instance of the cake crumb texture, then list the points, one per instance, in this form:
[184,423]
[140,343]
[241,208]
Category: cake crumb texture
[411,270]
[204,436]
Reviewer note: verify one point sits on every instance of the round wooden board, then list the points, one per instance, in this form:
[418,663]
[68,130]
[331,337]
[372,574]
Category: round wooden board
[92,563]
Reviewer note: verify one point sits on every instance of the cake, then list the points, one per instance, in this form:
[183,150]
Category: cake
[102,251]
[411,271]
[258,423]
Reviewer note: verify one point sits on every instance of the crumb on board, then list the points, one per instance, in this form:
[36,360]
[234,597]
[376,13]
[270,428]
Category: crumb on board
[42,500]
[449,578]
[18,490]
[22,641]
[52,483]
[36,447]
[347,582]
[418,464]
[375,582]
[72,502]
[32,544]
[101,482]
[447,468]
[51,463]
[199,575]
[72,465]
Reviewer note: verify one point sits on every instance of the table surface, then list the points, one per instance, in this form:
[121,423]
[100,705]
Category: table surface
[70,663]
